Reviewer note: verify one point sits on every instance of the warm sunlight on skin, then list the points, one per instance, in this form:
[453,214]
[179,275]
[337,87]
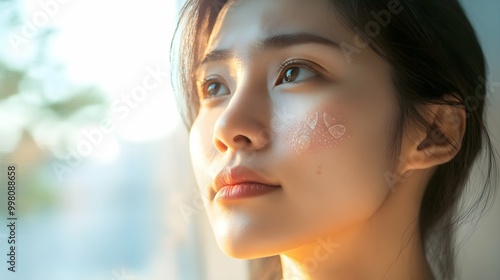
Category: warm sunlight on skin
[279,99]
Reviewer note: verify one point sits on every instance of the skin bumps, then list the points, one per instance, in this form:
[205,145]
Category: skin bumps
[319,130]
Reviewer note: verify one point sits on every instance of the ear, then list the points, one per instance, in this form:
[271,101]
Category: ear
[439,142]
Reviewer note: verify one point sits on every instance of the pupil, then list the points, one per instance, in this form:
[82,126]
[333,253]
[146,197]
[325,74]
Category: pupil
[212,88]
[291,74]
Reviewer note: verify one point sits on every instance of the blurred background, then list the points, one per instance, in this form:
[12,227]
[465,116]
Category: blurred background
[105,188]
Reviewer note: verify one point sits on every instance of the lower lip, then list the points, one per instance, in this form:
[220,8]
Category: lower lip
[244,190]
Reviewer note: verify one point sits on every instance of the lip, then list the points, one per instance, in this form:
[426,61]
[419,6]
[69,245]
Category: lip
[241,182]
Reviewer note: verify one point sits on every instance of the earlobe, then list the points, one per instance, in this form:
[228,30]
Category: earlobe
[440,141]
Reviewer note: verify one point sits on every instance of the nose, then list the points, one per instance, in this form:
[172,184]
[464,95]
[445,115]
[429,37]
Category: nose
[243,124]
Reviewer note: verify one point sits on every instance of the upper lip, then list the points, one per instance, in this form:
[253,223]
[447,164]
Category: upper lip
[238,175]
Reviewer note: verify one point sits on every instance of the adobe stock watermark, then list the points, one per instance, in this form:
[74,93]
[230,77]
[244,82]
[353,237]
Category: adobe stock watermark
[48,9]
[121,108]
[122,274]
[429,145]
[485,87]
[373,28]
[193,208]
[452,120]
[324,248]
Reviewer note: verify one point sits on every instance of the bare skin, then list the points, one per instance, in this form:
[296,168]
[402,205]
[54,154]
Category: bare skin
[303,116]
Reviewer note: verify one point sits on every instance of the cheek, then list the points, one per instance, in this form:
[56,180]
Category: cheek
[198,143]
[306,132]
[334,167]
[318,130]
[202,151]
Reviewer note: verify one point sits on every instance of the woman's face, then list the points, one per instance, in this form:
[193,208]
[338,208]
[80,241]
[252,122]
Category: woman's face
[290,94]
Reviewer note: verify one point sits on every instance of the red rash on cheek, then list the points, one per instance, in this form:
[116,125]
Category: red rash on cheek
[318,130]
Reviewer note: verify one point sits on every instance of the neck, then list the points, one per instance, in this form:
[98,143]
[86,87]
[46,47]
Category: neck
[386,247]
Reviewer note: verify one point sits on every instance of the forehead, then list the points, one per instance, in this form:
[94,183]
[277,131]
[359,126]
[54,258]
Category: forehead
[244,21]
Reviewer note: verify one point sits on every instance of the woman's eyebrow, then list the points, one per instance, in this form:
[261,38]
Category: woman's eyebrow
[278,41]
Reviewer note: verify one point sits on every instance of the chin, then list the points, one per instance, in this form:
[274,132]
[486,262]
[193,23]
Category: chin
[246,249]
[241,252]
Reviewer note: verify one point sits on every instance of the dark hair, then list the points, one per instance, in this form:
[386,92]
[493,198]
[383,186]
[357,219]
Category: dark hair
[433,53]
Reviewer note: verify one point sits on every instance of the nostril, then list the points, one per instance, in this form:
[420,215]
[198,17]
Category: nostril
[220,145]
[242,139]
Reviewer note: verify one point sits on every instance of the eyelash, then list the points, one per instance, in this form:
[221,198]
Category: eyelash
[280,73]
[205,83]
[295,63]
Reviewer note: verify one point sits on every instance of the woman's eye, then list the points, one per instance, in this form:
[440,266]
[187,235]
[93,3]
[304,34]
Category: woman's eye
[215,89]
[297,74]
